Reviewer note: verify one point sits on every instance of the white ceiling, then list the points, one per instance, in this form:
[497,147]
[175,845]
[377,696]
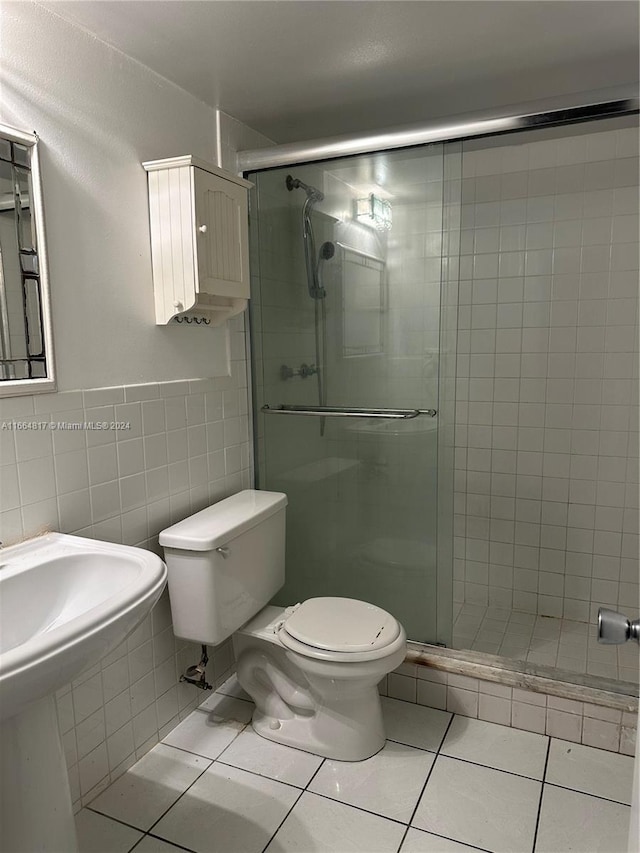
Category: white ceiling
[300,70]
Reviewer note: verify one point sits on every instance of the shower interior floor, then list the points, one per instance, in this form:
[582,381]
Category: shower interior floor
[561,643]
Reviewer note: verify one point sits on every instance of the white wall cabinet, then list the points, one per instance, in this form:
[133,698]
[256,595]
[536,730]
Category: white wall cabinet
[199,223]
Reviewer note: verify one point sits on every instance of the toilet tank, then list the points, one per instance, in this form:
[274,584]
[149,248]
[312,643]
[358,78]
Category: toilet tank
[224,564]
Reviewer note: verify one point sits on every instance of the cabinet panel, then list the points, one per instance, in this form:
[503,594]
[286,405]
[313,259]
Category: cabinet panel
[222,246]
[171,220]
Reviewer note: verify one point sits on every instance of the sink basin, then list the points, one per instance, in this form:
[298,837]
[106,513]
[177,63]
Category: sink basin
[65,603]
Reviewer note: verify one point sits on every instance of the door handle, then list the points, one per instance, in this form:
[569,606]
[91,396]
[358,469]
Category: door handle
[614,627]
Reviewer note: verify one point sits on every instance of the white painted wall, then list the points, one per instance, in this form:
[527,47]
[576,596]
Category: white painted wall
[234,136]
[99,114]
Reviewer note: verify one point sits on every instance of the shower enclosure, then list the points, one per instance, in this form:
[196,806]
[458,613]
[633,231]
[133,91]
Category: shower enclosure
[444,343]
[346,323]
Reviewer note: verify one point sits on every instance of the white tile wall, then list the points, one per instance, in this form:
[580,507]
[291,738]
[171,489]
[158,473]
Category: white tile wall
[580,722]
[547,398]
[183,444]
[187,446]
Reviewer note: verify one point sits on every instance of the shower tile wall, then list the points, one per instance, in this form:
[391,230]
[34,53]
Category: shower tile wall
[546,471]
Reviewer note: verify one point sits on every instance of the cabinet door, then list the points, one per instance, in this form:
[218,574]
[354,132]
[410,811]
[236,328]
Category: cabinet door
[222,245]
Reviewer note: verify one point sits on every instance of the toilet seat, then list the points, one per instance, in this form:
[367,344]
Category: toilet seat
[340,629]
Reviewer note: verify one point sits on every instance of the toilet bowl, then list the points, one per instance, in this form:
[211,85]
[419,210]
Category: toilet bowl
[313,671]
[313,668]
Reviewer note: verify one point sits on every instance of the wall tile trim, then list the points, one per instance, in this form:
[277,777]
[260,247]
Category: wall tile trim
[529,708]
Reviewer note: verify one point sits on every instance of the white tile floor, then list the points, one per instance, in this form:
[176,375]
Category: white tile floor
[442,784]
[560,643]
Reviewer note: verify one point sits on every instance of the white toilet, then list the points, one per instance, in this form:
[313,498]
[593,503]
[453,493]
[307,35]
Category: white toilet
[312,669]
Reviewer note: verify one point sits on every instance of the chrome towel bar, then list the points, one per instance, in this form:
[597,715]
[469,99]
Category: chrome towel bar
[347,412]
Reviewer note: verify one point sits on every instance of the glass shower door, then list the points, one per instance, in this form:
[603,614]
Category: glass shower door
[346,309]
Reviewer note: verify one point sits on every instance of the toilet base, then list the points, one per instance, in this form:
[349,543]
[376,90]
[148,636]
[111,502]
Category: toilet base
[331,733]
[328,709]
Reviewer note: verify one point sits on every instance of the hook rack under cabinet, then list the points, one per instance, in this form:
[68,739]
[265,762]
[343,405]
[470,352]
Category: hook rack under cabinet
[197,320]
[198,215]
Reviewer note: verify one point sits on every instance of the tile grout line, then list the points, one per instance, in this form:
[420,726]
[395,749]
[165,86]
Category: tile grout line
[259,775]
[490,767]
[131,849]
[446,732]
[156,822]
[211,762]
[544,775]
[445,837]
[277,829]
[115,819]
[171,843]
[229,696]
[421,794]
[164,841]
[325,796]
[467,760]
[411,746]
[358,808]
[217,760]
[313,775]
[588,794]
[199,754]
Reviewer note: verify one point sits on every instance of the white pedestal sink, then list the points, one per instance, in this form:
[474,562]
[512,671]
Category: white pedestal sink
[65,602]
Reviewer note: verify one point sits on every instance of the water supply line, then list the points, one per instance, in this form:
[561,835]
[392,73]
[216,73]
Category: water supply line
[197,675]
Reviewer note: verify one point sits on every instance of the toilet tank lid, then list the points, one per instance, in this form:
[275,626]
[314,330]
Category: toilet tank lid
[223,521]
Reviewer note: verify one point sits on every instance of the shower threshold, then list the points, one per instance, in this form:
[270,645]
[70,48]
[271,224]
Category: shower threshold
[535,678]
[564,644]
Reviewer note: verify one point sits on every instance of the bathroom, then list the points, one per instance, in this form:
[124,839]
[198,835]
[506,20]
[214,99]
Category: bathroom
[466,274]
